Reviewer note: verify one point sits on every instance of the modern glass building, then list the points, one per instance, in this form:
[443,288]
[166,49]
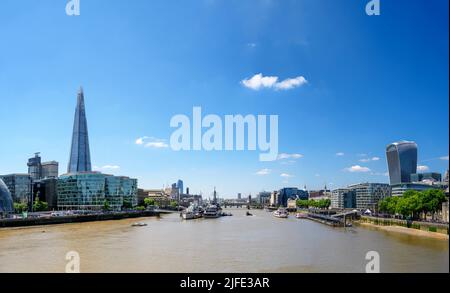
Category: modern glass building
[19,185]
[400,189]
[432,177]
[369,194]
[285,194]
[81,191]
[402,161]
[120,189]
[90,191]
[6,202]
[80,157]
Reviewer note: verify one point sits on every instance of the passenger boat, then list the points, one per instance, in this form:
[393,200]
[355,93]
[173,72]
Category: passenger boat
[139,225]
[281,213]
[191,213]
[212,211]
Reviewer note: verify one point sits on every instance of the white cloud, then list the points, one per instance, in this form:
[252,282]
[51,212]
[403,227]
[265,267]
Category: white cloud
[285,156]
[340,154]
[286,175]
[157,145]
[263,172]
[107,168]
[259,81]
[140,140]
[291,83]
[152,142]
[369,159]
[445,158]
[422,168]
[357,169]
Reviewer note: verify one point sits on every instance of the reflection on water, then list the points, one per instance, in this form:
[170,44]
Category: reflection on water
[260,243]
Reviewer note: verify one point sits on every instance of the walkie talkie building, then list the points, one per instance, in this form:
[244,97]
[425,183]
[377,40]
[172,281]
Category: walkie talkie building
[402,161]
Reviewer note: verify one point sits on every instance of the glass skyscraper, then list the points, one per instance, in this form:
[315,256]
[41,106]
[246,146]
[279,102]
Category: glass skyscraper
[402,161]
[80,157]
[6,203]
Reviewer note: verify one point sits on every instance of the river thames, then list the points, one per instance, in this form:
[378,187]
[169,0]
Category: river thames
[235,244]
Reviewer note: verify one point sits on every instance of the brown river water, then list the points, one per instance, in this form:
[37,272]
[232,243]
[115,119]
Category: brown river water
[255,244]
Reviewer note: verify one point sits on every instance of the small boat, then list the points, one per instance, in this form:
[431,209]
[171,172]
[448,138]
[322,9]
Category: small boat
[281,213]
[139,225]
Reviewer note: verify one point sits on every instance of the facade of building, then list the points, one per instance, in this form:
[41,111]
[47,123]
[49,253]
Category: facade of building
[400,189]
[427,177]
[19,185]
[287,193]
[46,190]
[91,190]
[34,167]
[6,202]
[369,194]
[343,198]
[263,198]
[38,170]
[80,156]
[50,170]
[402,161]
[180,186]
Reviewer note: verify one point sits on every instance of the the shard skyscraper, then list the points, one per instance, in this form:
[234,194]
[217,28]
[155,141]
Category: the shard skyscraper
[80,157]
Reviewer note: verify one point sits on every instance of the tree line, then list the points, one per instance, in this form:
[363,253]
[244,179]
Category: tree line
[414,204]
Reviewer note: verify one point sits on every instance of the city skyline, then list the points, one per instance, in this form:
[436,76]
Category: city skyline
[334,126]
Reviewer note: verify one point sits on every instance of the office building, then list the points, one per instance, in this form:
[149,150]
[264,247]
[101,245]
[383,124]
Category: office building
[34,167]
[180,186]
[91,190]
[400,189]
[343,198]
[263,198]
[402,161]
[369,194]
[427,177]
[38,170]
[80,157]
[45,189]
[19,185]
[287,193]
[6,202]
[49,170]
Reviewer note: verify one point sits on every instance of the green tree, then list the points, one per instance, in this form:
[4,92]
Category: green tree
[149,202]
[127,204]
[140,208]
[173,204]
[106,206]
[39,206]
[20,208]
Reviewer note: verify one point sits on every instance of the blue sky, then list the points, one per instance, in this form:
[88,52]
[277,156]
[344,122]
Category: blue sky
[370,81]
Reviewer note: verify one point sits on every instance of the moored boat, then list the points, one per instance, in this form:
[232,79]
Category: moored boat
[281,213]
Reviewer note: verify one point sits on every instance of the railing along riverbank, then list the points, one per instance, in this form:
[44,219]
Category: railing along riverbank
[42,221]
[424,226]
